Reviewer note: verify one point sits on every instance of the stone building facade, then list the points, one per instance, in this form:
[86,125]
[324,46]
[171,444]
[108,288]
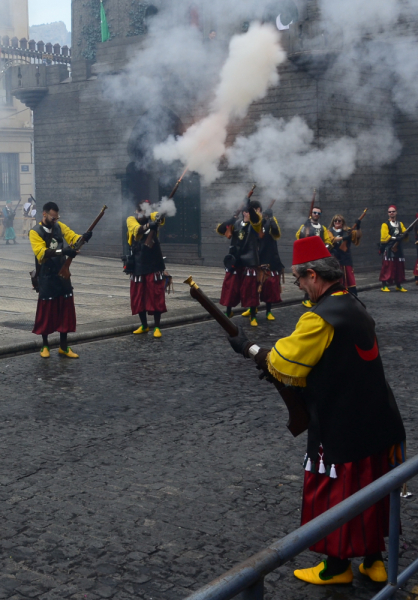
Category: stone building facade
[85,151]
[16,130]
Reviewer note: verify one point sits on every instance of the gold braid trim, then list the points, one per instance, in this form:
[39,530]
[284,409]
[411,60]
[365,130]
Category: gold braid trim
[286,379]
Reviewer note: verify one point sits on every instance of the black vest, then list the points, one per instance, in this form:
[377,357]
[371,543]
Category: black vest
[51,285]
[308,230]
[393,232]
[352,409]
[244,245]
[268,251]
[344,258]
[147,260]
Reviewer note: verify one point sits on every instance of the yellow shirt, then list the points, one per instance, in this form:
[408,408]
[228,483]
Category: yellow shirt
[39,245]
[134,233]
[278,235]
[385,235]
[327,240]
[293,357]
[355,235]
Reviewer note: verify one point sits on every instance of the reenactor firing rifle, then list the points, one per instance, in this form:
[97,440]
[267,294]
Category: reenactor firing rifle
[228,232]
[343,246]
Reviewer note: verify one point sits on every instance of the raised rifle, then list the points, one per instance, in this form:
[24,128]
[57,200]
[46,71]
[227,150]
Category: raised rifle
[394,247]
[228,232]
[343,246]
[298,415]
[150,240]
[310,212]
[65,269]
[270,206]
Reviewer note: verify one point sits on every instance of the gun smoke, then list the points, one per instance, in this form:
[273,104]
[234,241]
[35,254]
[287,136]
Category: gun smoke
[165,207]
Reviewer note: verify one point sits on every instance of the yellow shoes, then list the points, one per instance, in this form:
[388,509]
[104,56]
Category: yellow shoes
[401,289]
[247,313]
[253,322]
[376,572]
[307,304]
[68,353]
[385,288]
[315,575]
[45,352]
[141,329]
[270,317]
[157,332]
[230,315]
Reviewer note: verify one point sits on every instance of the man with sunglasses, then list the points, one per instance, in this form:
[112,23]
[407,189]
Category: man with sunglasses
[312,227]
[55,310]
[240,282]
[355,431]
[393,263]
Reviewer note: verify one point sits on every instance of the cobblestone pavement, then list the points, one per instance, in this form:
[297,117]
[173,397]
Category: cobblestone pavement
[149,467]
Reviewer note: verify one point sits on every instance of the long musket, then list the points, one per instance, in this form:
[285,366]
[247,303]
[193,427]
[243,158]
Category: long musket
[228,232]
[150,241]
[298,416]
[343,246]
[65,269]
[310,210]
[405,233]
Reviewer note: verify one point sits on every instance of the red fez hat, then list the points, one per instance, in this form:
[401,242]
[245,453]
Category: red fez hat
[308,249]
[392,206]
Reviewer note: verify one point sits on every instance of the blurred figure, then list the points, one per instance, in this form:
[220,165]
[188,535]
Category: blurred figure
[8,218]
[342,237]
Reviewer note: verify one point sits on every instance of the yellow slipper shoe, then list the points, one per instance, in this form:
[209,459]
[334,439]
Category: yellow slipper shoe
[401,289]
[315,575]
[247,313]
[376,572]
[45,352]
[270,317]
[68,353]
[230,315]
[384,288]
[157,332]
[307,303]
[141,329]
[253,322]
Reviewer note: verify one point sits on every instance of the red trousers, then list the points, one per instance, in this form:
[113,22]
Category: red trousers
[148,294]
[240,286]
[364,534]
[416,269]
[53,315]
[348,280]
[271,289]
[393,270]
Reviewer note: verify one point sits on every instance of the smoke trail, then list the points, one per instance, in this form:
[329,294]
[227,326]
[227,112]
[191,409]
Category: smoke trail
[283,157]
[165,207]
[251,68]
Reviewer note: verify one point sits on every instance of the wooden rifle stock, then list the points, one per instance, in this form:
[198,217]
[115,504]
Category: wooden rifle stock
[65,269]
[405,233]
[298,415]
[343,246]
[310,210]
[228,232]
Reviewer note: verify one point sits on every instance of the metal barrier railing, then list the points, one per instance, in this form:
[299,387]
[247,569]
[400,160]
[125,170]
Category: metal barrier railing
[247,578]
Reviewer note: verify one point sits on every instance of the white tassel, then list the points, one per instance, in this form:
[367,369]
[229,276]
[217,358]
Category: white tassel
[322,466]
[333,473]
[308,465]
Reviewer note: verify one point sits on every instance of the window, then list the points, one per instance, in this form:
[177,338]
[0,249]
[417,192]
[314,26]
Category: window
[9,177]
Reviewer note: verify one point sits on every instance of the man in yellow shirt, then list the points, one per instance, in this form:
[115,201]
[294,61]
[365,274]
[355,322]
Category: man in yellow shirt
[393,263]
[355,431]
[55,310]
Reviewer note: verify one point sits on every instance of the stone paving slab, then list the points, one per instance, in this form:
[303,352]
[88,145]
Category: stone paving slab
[149,467]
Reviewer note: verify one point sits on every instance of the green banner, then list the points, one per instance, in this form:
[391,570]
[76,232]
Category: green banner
[103,22]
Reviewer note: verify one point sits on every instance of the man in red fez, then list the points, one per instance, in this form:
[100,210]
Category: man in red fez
[393,264]
[355,431]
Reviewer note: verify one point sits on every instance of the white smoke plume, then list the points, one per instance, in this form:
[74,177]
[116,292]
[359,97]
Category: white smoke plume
[251,68]
[165,207]
[284,159]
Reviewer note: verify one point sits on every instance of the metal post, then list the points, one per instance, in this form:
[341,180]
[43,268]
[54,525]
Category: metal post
[253,592]
[394,525]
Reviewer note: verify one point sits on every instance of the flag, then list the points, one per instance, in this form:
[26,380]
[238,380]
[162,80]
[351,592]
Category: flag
[103,22]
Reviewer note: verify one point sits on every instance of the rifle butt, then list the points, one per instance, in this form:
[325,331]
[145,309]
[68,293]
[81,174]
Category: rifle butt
[298,416]
[64,272]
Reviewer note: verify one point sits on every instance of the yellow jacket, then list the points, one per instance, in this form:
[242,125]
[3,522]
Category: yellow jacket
[385,234]
[136,230]
[39,245]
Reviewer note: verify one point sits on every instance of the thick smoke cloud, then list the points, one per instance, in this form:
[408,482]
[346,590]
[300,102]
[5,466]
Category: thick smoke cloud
[251,68]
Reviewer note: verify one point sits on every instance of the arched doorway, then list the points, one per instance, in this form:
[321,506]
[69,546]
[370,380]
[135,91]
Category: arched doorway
[147,179]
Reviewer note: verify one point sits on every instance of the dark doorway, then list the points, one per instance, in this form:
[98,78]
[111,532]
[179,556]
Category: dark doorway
[145,179]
